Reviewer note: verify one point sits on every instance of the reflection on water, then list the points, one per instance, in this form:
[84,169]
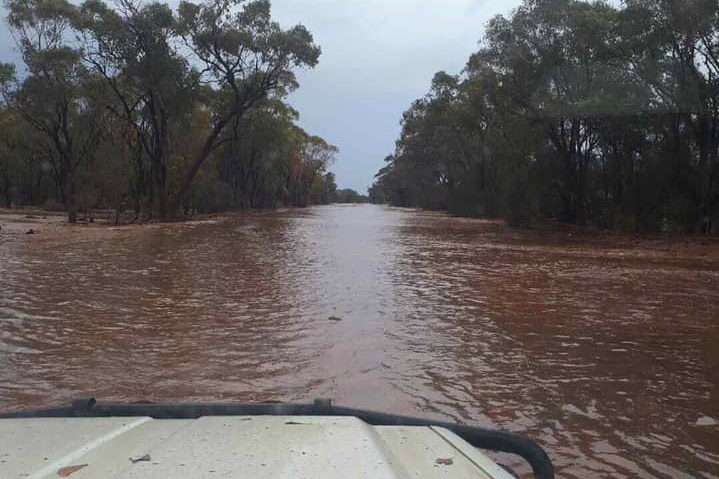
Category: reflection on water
[605,352]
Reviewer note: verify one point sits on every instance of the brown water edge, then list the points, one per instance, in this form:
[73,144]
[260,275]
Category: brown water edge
[604,348]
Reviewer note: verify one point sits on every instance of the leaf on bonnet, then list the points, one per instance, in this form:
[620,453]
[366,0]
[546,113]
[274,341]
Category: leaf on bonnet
[66,471]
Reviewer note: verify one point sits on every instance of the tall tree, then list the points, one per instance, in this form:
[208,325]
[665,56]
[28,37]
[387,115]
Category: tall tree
[150,82]
[246,56]
[577,111]
[52,97]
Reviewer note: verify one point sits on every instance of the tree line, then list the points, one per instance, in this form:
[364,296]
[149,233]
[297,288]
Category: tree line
[348,195]
[142,108]
[579,112]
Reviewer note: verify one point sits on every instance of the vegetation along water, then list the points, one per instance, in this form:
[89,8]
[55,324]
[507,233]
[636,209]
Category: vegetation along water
[542,254]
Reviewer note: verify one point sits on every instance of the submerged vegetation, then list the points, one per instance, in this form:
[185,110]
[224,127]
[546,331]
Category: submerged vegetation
[161,112]
[580,112]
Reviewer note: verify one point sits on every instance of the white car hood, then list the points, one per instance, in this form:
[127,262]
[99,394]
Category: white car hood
[252,447]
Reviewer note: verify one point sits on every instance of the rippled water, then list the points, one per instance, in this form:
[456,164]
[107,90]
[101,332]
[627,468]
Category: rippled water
[603,350]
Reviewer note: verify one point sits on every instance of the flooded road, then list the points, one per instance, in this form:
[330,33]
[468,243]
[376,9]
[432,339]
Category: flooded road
[603,349]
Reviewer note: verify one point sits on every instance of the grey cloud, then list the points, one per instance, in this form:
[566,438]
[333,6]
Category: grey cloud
[378,56]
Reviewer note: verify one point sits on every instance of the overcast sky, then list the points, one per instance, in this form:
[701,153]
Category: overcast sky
[377,57]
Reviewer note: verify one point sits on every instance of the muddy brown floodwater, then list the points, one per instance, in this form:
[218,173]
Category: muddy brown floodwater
[604,349]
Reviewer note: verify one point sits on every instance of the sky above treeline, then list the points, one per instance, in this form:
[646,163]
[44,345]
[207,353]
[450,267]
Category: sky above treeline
[377,57]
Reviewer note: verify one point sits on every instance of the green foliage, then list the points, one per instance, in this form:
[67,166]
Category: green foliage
[574,111]
[349,195]
[126,103]
[324,189]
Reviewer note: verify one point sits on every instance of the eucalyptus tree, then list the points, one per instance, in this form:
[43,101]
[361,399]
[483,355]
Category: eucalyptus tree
[246,57]
[52,97]
[576,111]
[151,85]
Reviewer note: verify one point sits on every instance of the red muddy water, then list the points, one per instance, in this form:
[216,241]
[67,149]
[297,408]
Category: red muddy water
[603,348]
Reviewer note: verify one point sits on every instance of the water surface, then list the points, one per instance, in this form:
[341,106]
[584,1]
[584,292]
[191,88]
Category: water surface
[603,349]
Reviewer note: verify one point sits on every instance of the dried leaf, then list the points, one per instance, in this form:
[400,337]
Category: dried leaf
[66,471]
[145,458]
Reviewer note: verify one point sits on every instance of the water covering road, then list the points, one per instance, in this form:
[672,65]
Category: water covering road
[604,349]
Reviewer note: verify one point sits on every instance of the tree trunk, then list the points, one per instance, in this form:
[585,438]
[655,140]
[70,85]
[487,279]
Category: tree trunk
[204,153]
[8,197]
[159,191]
[70,198]
[66,186]
[157,151]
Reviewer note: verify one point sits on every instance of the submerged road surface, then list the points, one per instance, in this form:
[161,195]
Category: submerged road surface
[604,349]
